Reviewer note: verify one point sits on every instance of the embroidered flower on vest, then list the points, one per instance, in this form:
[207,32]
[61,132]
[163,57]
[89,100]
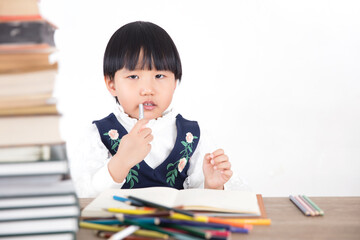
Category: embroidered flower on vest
[114,138]
[180,164]
[189,137]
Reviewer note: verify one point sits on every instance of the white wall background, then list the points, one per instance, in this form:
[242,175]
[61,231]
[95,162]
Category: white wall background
[277,81]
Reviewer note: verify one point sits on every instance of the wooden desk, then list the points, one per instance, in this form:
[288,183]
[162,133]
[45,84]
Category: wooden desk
[341,221]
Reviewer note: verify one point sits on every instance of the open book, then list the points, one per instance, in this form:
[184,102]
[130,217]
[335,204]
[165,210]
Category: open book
[209,200]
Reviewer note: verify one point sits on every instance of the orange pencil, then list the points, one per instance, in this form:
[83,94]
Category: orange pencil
[251,221]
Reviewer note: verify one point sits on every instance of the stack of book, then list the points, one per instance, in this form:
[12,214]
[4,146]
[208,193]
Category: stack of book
[164,212]
[36,194]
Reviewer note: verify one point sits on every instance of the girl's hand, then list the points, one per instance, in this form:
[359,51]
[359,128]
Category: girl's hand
[217,169]
[133,148]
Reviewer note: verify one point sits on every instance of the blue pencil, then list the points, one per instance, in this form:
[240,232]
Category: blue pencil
[128,201]
[303,210]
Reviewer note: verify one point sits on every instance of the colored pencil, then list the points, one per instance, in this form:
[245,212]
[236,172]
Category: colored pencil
[211,220]
[312,213]
[191,231]
[251,221]
[144,233]
[125,232]
[309,205]
[130,211]
[314,205]
[159,206]
[201,224]
[149,215]
[297,204]
[219,233]
[128,201]
[105,221]
[102,227]
[143,220]
[196,218]
[229,222]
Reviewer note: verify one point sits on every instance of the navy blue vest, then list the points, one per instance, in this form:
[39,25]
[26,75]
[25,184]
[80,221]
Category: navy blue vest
[170,173]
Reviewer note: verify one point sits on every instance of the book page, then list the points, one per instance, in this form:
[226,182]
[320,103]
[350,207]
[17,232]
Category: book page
[218,200]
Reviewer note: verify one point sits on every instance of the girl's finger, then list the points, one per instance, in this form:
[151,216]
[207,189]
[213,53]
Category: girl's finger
[208,156]
[149,138]
[227,173]
[221,158]
[218,152]
[145,132]
[223,166]
[139,125]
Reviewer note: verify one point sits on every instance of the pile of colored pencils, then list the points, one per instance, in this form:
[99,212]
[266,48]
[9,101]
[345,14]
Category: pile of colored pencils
[151,220]
[306,205]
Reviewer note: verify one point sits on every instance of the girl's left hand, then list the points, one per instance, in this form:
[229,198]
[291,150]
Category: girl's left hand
[217,169]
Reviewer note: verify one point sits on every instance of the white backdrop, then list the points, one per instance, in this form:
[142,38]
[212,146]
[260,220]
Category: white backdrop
[278,82]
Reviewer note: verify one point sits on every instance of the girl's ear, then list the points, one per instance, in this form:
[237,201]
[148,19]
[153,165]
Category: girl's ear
[110,84]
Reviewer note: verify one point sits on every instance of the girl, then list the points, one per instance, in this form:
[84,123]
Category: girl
[142,66]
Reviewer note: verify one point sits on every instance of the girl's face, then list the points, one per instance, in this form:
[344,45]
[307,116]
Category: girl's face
[153,88]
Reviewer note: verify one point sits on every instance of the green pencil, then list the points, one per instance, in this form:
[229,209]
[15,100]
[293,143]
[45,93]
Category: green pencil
[190,231]
[313,205]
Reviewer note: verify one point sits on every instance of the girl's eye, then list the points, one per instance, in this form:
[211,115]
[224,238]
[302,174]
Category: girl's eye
[159,76]
[133,77]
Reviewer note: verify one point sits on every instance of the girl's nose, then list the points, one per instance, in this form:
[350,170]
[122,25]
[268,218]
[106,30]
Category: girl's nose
[146,92]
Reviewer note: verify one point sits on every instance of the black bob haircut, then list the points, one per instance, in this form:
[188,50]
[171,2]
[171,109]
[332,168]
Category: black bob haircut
[157,48]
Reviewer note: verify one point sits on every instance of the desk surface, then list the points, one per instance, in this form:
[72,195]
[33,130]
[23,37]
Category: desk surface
[341,220]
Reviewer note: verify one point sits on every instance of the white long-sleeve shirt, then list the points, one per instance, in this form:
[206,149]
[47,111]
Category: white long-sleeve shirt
[89,162]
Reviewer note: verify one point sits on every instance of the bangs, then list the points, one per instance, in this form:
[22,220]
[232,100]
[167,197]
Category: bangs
[141,45]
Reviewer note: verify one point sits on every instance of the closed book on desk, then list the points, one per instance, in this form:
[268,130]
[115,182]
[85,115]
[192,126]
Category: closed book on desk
[29,188]
[27,32]
[18,169]
[29,130]
[39,226]
[26,61]
[26,84]
[188,199]
[32,153]
[19,9]
[38,201]
[43,212]
[31,100]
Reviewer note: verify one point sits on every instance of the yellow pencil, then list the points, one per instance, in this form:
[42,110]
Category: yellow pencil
[180,216]
[251,221]
[101,227]
[143,233]
[129,211]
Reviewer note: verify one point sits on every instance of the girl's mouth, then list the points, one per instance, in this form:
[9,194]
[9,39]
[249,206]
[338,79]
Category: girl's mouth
[149,105]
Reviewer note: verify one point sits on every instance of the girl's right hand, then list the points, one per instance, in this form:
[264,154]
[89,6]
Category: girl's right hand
[133,148]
